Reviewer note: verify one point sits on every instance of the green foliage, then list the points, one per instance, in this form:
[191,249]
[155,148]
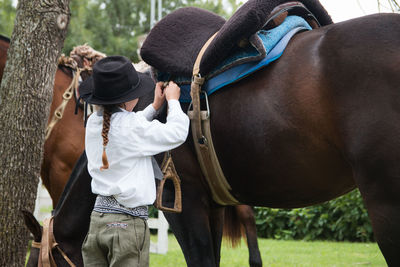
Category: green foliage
[7,17]
[153,212]
[344,218]
[114,27]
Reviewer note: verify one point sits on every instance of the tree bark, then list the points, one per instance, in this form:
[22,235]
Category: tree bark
[25,96]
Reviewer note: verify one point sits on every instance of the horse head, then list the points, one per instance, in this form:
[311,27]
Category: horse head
[61,237]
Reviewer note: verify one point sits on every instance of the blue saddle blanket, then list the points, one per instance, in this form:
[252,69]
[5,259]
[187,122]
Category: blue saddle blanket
[275,42]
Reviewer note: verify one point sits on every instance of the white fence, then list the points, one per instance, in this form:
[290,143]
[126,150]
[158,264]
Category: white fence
[43,210]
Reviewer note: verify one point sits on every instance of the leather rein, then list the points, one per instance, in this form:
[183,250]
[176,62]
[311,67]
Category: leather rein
[46,246]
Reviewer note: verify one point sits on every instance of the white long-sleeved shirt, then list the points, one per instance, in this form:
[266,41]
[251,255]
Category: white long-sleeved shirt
[133,139]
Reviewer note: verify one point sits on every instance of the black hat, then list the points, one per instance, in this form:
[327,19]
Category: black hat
[114,81]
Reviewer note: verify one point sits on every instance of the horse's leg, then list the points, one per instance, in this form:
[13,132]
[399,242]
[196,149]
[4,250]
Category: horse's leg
[379,184]
[373,149]
[193,231]
[217,224]
[192,227]
[246,217]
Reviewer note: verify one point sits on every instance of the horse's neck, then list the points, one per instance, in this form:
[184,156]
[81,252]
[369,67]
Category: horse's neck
[72,214]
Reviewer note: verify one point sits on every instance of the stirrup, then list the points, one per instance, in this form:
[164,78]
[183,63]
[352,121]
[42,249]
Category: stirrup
[169,171]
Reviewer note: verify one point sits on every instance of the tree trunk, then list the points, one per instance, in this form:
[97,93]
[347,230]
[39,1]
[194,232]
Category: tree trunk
[25,95]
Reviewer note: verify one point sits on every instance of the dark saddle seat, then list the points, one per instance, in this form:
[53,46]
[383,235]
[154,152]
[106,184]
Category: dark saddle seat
[173,44]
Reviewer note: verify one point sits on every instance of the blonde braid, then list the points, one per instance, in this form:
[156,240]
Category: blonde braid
[104,133]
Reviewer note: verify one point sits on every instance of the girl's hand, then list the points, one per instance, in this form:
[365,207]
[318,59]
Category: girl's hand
[159,96]
[172,91]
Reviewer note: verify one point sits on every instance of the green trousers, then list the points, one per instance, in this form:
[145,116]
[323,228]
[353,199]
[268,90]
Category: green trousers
[116,240]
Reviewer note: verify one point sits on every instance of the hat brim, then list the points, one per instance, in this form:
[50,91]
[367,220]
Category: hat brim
[145,86]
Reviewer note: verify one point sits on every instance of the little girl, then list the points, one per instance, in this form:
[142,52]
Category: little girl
[119,145]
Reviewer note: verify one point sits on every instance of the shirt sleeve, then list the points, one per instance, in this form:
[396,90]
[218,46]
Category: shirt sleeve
[158,137]
[149,112]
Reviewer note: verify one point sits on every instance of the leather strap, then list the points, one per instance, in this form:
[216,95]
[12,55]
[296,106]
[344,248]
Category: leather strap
[47,244]
[206,155]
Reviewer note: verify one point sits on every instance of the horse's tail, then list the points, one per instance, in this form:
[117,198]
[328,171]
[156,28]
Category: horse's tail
[233,228]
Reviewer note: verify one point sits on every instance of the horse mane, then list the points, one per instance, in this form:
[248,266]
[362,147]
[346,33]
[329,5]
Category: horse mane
[4,38]
[66,69]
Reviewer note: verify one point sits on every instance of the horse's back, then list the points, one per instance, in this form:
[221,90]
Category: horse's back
[295,120]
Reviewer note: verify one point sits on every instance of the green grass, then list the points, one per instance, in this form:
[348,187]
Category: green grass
[285,253]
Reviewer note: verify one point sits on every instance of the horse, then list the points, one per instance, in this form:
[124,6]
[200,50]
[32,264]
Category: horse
[317,123]
[66,143]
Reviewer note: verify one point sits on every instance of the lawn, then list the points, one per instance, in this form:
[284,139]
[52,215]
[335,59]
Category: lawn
[285,254]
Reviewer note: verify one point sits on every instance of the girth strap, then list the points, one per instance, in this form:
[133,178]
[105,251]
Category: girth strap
[200,121]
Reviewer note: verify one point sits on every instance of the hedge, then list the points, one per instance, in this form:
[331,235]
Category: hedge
[341,219]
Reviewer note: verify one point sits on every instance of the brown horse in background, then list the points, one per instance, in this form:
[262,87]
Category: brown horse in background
[65,143]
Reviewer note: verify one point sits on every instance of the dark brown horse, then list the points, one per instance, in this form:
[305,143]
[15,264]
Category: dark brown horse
[71,219]
[314,125]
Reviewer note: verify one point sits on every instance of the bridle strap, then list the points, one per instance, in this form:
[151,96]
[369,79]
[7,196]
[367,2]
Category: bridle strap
[45,257]
[68,93]
[59,111]
[46,246]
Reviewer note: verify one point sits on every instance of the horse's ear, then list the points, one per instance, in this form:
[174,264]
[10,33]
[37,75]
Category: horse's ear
[32,224]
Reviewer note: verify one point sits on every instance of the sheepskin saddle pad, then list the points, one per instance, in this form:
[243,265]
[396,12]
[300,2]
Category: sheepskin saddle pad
[174,42]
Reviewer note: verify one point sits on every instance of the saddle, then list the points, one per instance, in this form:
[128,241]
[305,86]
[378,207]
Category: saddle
[174,43]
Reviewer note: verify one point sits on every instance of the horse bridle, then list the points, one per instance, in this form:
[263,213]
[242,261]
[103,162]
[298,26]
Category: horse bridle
[46,246]
[72,90]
